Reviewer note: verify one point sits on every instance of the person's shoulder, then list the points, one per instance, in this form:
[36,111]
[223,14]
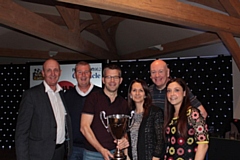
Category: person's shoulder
[151,86]
[121,100]
[70,90]
[121,97]
[96,88]
[192,110]
[96,92]
[156,109]
[156,112]
[189,90]
[37,87]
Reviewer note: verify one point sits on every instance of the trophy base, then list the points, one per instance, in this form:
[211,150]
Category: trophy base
[119,155]
[119,158]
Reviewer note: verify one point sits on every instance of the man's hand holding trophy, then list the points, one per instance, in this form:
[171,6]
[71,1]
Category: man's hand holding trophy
[118,125]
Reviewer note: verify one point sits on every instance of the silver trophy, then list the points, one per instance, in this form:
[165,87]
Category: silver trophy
[117,125]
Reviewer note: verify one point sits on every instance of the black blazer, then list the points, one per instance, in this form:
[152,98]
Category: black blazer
[36,129]
[150,135]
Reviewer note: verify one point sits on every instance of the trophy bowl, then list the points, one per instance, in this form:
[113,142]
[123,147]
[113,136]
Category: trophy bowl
[117,125]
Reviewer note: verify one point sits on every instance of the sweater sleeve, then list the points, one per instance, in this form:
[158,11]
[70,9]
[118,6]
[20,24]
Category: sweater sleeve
[199,125]
[158,126]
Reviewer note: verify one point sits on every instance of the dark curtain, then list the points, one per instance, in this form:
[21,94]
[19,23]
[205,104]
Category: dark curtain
[210,79]
[14,81]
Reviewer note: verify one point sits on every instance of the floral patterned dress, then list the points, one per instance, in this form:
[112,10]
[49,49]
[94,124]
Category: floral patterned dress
[179,148]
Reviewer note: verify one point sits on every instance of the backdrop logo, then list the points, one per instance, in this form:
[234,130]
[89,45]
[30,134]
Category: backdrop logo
[96,72]
[37,74]
[96,75]
[96,69]
[67,75]
[66,85]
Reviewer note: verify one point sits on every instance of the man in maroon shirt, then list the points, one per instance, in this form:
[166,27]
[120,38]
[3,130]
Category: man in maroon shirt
[100,143]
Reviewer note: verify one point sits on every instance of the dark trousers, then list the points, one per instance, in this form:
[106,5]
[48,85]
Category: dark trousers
[59,153]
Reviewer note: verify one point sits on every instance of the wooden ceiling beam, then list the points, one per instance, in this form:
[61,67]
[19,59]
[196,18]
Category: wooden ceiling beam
[222,5]
[15,16]
[233,9]
[71,16]
[232,46]
[169,11]
[111,25]
[210,3]
[34,54]
[96,24]
[183,44]
[55,19]
[87,24]
[177,13]
[59,21]
[104,33]
[112,21]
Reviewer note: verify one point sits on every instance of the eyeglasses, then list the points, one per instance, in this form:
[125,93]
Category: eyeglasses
[112,77]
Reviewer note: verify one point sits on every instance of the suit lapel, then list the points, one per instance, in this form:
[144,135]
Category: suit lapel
[46,100]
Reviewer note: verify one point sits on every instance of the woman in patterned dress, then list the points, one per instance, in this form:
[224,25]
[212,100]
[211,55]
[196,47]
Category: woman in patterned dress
[146,134]
[185,129]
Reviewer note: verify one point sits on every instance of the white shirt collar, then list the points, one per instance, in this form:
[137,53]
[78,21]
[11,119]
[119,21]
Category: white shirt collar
[47,87]
[81,92]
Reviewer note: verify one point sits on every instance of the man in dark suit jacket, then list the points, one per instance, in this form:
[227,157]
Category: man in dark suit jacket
[43,125]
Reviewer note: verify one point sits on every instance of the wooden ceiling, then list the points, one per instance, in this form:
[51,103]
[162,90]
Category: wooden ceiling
[222,24]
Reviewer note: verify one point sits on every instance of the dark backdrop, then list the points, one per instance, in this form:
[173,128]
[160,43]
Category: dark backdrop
[210,79]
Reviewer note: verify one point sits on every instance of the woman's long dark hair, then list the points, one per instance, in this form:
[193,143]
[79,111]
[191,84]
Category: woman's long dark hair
[182,115]
[147,100]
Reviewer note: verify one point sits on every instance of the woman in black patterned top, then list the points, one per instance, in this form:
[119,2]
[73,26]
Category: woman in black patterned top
[185,129]
[146,134]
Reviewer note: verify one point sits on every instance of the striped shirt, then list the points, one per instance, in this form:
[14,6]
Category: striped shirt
[158,97]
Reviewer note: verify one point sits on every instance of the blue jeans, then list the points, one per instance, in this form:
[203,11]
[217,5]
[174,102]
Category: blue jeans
[90,155]
[77,153]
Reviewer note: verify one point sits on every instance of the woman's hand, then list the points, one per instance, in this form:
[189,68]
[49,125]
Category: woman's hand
[201,151]
[122,143]
[155,158]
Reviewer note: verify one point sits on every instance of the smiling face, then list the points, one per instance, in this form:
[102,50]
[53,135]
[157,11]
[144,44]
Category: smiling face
[175,94]
[159,73]
[112,80]
[137,93]
[83,75]
[51,73]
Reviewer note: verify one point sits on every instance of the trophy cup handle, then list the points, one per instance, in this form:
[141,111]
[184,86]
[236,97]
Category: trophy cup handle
[130,125]
[103,115]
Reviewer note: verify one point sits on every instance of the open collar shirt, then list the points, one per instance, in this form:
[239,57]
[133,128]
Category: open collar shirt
[58,110]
